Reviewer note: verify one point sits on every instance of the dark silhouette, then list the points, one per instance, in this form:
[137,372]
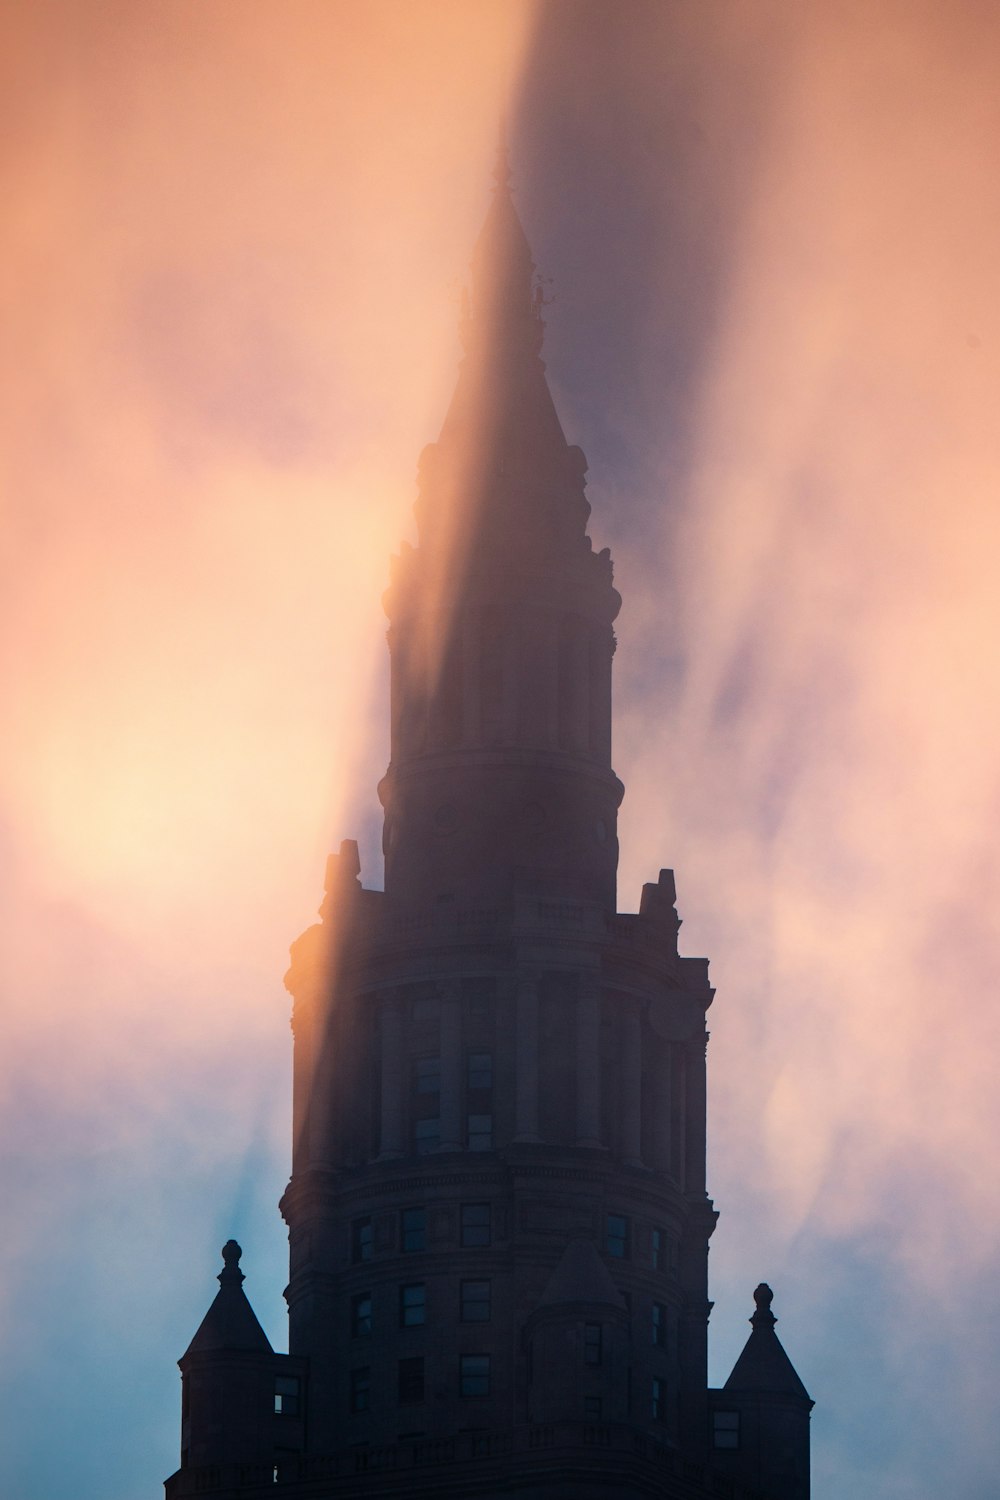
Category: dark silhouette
[497,1213]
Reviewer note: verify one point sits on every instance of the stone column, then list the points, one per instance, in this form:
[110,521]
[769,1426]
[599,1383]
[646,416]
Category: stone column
[526,1058]
[661,1115]
[631,1106]
[393,1078]
[588,1062]
[694,1170]
[452,1135]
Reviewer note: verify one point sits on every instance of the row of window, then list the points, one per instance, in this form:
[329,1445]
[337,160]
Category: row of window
[475,1229]
[473,1380]
[427,1106]
[593,1408]
[475,1306]
[427,1134]
[618,1242]
[478,1073]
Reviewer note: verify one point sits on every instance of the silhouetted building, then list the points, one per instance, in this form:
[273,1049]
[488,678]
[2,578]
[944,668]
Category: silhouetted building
[497,1213]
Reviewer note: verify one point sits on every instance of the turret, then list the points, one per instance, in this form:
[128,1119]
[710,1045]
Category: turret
[241,1404]
[760,1418]
[578,1343]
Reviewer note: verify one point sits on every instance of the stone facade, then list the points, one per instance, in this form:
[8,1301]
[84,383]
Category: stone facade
[498,1218]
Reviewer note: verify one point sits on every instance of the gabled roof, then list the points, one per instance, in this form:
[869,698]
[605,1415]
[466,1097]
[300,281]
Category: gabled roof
[230,1323]
[764,1366]
[581,1276]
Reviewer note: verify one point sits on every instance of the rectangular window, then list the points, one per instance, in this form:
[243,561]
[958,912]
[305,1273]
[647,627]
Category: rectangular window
[659,1399]
[479,1070]
[286,1395]
[616,1242]
[725,1429]
[411,1380]
[474,1375]
[361,1389]
[659,1326]
[427,1136]
[480,1132]
[412,1305]
[427,1075]
[592,1343]
[657,1249]
[413,1229]
[361,1315]
[476,1224]
[476,1302]
[362,1240]
[592,1408]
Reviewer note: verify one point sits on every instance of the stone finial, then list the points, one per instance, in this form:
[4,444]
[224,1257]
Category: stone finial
[231,1275]
[763,1318]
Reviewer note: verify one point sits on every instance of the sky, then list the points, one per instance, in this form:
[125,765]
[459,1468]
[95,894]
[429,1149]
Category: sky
[235,237]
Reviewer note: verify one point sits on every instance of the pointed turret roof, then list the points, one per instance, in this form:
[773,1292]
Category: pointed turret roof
[581,1276]
[764,1366]
[230,1323]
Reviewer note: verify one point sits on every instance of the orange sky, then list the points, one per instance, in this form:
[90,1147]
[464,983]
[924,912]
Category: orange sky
[234,236]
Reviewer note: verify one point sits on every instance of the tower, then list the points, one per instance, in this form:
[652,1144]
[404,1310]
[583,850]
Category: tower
[498,1218]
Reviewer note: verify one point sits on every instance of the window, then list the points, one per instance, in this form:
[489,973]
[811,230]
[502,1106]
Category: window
[427,1075]
[414,1229]
[412,1305]
[476,1225]
[657,1249]
[286,1395]
[361,1389]
[479,1070]
[474,1375]
[725,1429]
[411,1380]
[659,1399]
[617,1236]
[592,1408]
[592,1343]
[475,1302]
[480,1132]
[427,1135]
[362,1240]
[361,1315]
[659,1326]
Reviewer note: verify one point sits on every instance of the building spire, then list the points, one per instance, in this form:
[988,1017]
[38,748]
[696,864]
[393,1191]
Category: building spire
[501,624]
